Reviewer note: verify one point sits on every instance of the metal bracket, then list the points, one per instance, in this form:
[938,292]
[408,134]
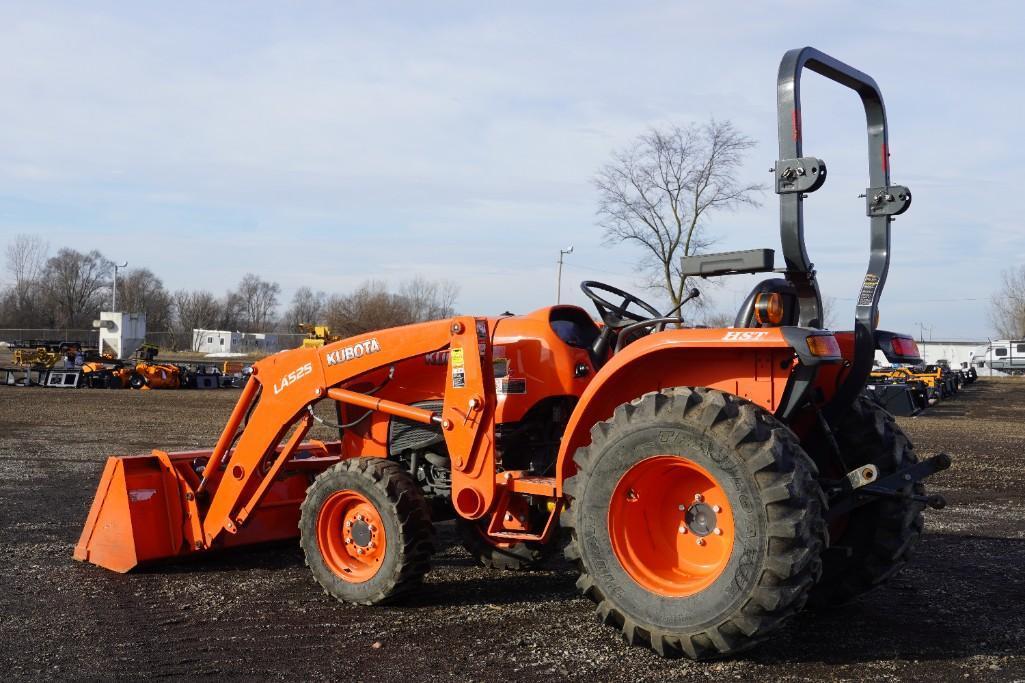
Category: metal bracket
[844,499]
[866,474]
[887,201]
[799,175]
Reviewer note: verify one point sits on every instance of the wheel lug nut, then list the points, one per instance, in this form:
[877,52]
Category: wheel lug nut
[359,517]
[716,508]
[698,497]
[348,541]
[360,551]
[348,524]
[717,531]
[701,541]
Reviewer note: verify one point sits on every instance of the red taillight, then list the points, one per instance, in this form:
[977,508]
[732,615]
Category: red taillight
[904,346]
[823,345]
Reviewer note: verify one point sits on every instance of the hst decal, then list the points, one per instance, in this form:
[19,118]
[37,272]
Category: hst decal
[738,335]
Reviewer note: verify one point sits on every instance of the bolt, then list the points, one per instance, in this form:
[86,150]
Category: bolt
[360,551]
[373,528]
[717,531]
[348,541]
[508,517]
[700,541]
[682,508]
[370,546]
[907,477]
[698,497]
[716,508]
[348,524]
[682,529]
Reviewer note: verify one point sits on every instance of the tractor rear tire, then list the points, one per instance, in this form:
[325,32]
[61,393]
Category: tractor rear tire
[520,556]
[876,540]
[366,530]
[654,481]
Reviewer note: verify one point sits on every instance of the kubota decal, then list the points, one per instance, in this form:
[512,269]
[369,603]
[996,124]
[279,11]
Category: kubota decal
[293,377]
[738,335]
[357,350]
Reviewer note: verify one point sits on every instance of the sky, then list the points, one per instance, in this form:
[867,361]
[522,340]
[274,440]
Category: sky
[324,144]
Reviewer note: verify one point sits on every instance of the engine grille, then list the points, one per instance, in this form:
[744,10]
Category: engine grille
[408,435]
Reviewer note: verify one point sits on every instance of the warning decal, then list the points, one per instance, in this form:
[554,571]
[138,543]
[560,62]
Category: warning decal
[868,290]
[458,369]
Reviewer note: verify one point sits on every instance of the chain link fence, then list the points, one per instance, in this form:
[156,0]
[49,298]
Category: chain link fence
[165,340]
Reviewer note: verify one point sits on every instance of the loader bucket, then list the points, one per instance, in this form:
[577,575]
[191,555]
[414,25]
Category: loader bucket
[142,510]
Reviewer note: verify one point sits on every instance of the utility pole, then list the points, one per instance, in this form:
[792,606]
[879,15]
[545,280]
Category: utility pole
[113,298]
[558,283]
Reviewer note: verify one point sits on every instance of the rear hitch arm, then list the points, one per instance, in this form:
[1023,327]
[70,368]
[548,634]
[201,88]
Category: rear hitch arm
[855,490]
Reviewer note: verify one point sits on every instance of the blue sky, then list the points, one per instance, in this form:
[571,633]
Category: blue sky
[323,144]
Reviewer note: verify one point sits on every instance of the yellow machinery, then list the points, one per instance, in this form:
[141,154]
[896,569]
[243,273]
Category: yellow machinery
[37,358]
[316,335]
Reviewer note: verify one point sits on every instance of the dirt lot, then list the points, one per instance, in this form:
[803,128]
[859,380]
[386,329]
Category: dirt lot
[957,613]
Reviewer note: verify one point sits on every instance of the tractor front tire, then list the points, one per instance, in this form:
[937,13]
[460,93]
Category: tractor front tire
[696,522]
[366,531]
[873,542]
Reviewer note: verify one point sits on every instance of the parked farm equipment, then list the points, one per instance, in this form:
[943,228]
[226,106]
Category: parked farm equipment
[711,481]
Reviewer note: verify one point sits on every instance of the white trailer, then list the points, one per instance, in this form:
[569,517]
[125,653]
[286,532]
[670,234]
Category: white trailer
[1001,355]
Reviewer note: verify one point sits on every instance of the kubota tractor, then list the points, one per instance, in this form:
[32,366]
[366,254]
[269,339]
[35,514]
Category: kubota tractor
[710,481]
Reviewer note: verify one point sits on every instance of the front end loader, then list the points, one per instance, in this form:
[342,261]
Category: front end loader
[711,482]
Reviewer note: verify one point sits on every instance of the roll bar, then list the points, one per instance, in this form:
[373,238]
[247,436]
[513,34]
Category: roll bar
[796,176]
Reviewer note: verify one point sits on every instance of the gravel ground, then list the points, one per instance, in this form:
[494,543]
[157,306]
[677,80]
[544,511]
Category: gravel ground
[956,613]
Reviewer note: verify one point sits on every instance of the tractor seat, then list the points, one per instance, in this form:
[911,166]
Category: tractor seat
[788,294]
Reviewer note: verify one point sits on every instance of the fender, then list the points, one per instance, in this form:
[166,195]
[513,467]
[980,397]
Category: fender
[755,364]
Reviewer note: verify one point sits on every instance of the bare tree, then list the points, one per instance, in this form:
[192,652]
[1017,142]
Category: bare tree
[718,319]
[257,300]
[307,308]
[428,299]
[140,291]
[370,307]
[657,193]
[26,258]
[74,285]
[193,311]
[1007,305]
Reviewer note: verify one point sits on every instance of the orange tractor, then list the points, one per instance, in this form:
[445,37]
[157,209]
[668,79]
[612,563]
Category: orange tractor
[710,482]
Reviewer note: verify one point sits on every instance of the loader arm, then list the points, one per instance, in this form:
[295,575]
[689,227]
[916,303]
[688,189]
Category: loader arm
[284,385]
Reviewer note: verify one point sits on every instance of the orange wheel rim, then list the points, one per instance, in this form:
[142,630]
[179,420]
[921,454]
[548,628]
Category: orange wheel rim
[671,526]
[351,536]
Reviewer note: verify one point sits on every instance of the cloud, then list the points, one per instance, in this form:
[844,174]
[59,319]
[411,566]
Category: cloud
[324,144]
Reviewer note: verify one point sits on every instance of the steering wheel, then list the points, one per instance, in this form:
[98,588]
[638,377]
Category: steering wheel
[616,317]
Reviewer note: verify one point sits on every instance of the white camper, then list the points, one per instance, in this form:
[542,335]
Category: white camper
[1001,355]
